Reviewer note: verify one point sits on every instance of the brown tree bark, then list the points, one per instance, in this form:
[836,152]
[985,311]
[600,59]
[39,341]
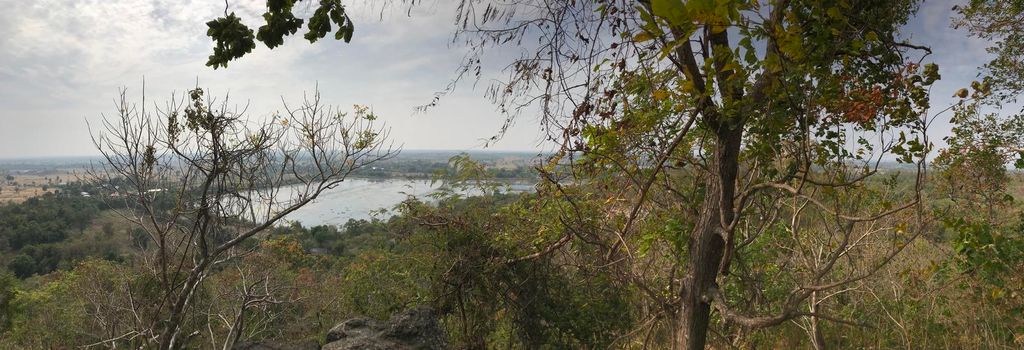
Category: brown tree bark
[707,242]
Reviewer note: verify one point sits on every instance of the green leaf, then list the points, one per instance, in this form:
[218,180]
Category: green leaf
[672,10]
[931,73]
[642,37]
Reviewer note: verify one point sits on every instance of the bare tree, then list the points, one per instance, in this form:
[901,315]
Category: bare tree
[201,178]
[250,307]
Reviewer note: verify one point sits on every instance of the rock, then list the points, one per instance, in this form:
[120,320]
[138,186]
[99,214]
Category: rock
[275,346]
[415,328]
[353,328]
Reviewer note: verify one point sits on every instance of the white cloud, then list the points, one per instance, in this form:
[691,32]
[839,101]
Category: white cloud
[63,60]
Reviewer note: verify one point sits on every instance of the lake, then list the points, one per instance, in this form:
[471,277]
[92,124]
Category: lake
[359,198]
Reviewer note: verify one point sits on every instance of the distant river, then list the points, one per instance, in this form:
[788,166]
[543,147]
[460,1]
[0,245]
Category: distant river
[358,198]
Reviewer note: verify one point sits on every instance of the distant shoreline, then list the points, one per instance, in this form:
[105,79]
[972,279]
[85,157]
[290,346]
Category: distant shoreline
[81,158]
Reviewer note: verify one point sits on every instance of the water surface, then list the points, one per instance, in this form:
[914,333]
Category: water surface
[359,199]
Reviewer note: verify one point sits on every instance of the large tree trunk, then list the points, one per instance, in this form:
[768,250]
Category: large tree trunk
[707,244]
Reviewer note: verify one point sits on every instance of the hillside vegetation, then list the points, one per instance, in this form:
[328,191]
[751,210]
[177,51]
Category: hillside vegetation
[724,174]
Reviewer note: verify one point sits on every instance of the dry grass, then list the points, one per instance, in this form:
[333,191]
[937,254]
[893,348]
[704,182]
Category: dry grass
[28,185]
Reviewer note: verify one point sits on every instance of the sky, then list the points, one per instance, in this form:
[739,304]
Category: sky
[63,61]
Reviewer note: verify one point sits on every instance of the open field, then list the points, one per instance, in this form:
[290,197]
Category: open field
[17,186]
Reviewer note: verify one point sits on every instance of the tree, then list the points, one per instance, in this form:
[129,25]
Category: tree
[982,217]
[972,169]
[989,246]
[780,113]
[984,142]
[247,295]
[1000,22]
[201,178]
[8,290]
[22,265]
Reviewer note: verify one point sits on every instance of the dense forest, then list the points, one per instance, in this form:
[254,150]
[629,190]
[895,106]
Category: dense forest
[475,260]
[725,174]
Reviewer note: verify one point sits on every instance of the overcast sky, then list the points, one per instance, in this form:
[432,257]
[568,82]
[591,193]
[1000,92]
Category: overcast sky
[62,62]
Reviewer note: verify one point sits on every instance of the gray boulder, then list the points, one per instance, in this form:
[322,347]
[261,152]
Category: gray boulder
[416,328]
[275,346]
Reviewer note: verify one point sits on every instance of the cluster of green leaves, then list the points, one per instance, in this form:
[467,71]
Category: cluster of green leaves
[233,39]
[986,264]
[991,252]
